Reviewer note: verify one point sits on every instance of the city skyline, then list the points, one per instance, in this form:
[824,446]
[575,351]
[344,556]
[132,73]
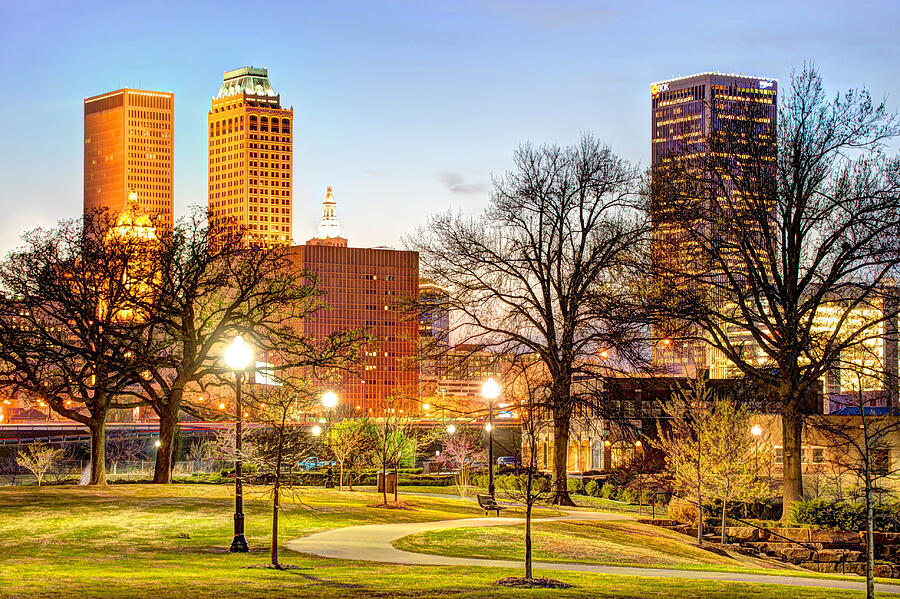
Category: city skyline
[365,119]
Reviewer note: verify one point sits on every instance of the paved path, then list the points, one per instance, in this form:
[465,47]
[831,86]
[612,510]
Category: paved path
[373,542]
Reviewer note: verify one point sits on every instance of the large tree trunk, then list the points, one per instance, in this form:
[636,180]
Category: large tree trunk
[168,425]
[792,439]
[98,451]
[560,460]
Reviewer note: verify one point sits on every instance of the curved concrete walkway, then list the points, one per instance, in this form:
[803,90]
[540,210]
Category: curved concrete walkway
[374,543]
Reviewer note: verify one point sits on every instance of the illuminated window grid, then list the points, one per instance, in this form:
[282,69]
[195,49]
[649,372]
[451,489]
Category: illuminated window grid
[129,146]
[250,169]
[349,276]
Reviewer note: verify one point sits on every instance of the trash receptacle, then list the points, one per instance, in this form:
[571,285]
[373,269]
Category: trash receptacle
[387,480]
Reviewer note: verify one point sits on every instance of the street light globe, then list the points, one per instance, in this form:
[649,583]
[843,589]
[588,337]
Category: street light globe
[330,399]
[488,427]
[451,429]
[756,430]
[490,389]
[157,443]
[316,430]
[426,406]
[238,355]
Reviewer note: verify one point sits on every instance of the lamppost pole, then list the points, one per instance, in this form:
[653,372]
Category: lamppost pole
[239,544]
[238,356]
[490,390]
[491,447]
[330,400]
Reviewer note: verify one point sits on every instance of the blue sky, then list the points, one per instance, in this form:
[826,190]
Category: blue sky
[405,107]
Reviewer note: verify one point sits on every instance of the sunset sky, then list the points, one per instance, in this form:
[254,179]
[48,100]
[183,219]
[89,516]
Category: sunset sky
[405,107]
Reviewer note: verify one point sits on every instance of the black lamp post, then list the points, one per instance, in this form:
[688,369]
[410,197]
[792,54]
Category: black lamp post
[329,400]
[490,390]
[238,356]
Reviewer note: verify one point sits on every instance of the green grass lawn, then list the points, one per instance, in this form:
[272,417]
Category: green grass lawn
[165,541]
[620,543]
[581,501]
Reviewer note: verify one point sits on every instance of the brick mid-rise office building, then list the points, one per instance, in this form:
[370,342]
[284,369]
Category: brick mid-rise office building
[366,287]
[128,151]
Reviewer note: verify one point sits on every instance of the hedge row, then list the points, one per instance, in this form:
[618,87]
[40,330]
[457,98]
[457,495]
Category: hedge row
[610,491]
[844,516]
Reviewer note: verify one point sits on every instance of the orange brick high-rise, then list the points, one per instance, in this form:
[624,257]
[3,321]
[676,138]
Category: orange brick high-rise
[129,148]
[364,288]
[250,158]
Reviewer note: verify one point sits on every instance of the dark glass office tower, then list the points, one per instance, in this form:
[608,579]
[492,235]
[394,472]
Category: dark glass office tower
[685,113]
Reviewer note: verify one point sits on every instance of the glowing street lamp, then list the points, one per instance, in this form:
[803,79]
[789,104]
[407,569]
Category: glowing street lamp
[756,431]
[491,391]
[238,357]
[330,399]
[451,428]
[316,430]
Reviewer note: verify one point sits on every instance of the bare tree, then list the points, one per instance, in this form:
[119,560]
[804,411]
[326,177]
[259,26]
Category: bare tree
[280,440]
[545,270]
[860,440]
[394,441]
[39,458]
[792,239]
[123,447]
[69,329]
[202,452]
[208,288]
[530,487]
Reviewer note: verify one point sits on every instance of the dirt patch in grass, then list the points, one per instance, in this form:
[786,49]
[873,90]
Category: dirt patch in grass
[272,567]
[520,582]
[393,505]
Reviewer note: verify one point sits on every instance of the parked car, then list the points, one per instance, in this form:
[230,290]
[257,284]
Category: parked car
[508,461]
[312,462]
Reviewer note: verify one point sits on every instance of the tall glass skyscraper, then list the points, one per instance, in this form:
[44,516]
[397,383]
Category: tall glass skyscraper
[685,113]
[128,151]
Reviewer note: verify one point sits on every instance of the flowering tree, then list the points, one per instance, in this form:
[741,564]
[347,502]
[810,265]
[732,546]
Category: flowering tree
[38,458]
[461,451]
[710,450]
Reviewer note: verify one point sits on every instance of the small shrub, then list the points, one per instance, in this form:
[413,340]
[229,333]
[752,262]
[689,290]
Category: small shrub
[592,488]
[682,511]
[609,491]
[574,485]
[628,495]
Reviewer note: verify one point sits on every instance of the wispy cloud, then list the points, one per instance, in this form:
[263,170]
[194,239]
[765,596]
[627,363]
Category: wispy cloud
[456,184]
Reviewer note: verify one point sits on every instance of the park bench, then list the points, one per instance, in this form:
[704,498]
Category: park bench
[488,504]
